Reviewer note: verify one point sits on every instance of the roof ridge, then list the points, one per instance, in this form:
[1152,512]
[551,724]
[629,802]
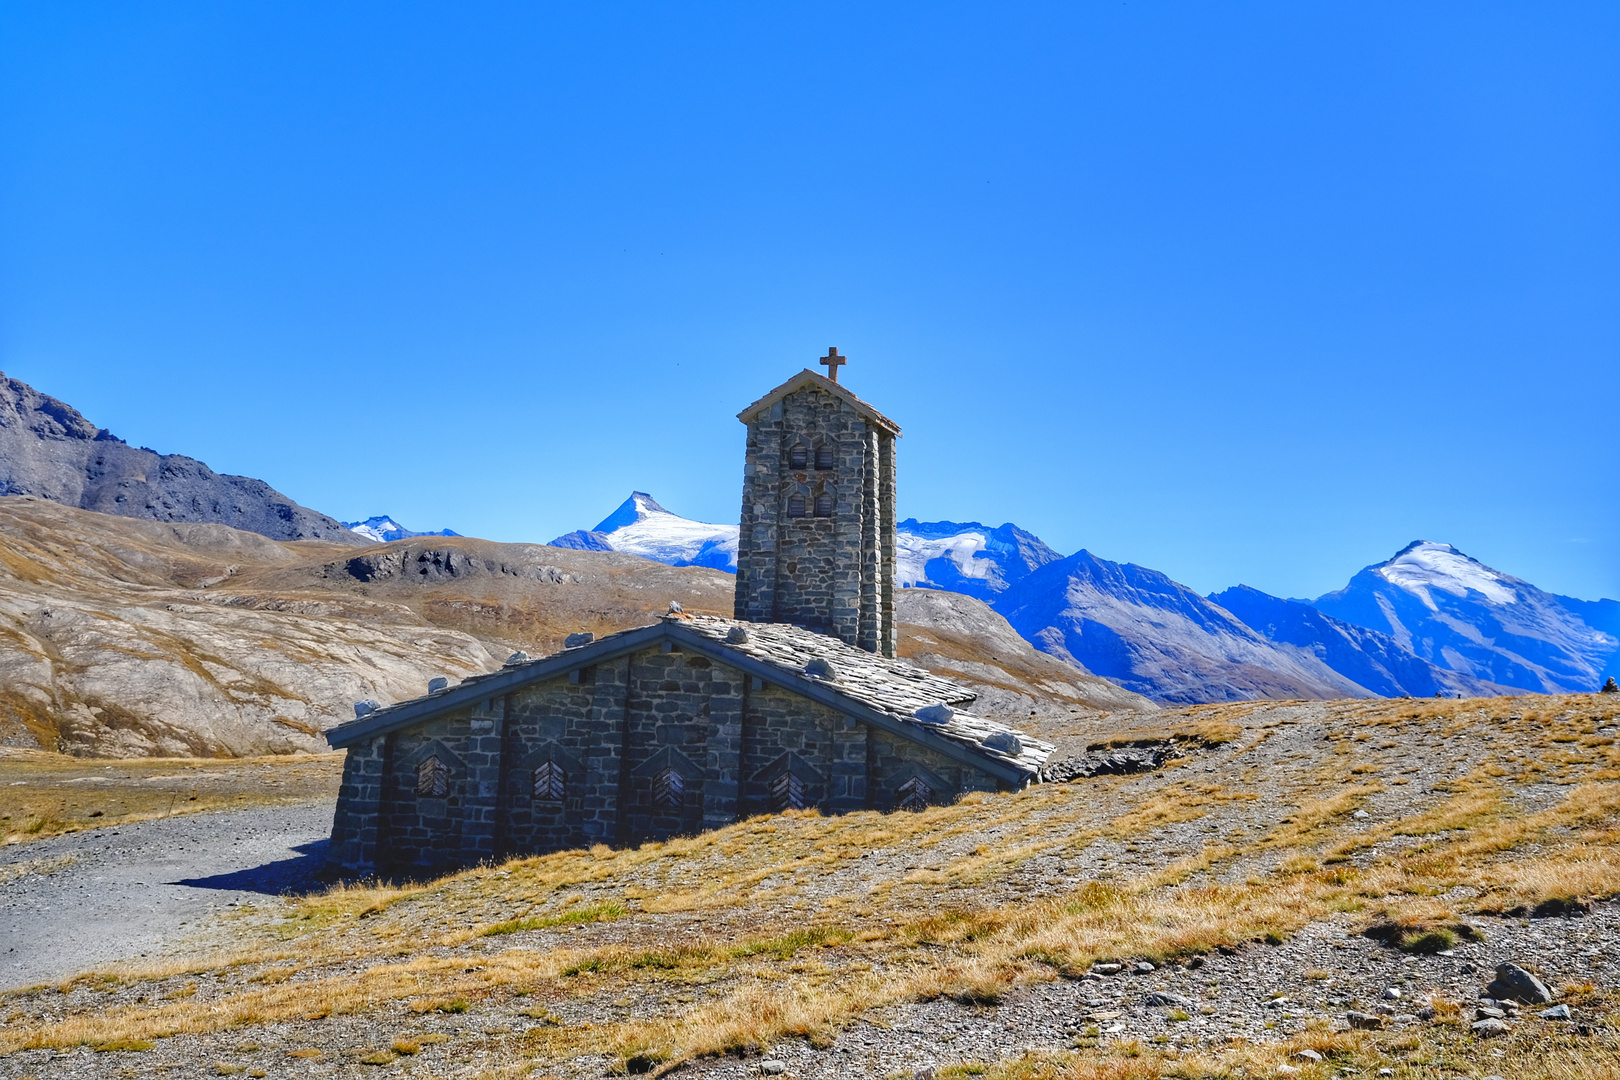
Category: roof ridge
[838,390]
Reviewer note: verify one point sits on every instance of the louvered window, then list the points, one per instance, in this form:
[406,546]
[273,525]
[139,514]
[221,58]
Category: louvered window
[798,457]
[795,506]
[824,457]
[824,505]
[668,790]
[787,793]
[549,782]
[433,778]
[914,794]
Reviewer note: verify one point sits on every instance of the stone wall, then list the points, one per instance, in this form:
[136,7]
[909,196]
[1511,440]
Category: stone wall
[615,730]
[835,573]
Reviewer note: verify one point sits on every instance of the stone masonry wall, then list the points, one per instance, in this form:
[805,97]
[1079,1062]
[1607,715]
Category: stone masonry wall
[830,574]
[612,733]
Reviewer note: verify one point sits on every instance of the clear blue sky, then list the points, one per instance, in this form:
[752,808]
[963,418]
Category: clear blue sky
[1242,292]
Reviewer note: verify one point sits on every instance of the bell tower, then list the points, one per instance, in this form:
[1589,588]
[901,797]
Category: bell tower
[816,546]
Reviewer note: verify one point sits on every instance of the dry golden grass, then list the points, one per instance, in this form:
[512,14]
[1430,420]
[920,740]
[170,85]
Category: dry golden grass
[733,979]
[43,794]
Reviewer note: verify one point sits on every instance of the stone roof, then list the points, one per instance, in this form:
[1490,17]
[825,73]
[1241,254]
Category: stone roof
[811,378]
[871,687]
[896,687]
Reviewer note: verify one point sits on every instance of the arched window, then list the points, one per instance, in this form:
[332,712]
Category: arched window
[795,506]
[433,777]
[824,456]
[549,782]
[787,793]
[798,456]
[824,504]
[914,794]
[668,790]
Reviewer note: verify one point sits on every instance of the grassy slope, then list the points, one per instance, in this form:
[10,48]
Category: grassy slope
[48,794]
[797,925]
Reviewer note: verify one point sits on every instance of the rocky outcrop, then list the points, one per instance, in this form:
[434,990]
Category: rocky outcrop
[47,449]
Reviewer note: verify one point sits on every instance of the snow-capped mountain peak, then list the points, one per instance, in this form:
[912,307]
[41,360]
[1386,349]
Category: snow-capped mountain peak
[1422,565]
[383,528]
[642,527]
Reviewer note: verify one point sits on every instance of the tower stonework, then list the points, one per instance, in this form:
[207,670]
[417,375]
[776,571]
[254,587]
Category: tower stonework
[816,546]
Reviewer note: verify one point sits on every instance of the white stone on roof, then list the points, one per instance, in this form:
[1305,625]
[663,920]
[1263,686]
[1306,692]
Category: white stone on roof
[894,687]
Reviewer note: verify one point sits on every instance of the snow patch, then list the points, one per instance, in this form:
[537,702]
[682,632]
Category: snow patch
[1424,565]
[642,527]
[382,528]
[916,552]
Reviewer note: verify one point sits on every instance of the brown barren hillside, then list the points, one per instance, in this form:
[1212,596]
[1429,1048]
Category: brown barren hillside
[124,637]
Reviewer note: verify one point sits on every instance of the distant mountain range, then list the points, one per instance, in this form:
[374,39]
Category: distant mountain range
[50,451]
[383,529]
[1428,621]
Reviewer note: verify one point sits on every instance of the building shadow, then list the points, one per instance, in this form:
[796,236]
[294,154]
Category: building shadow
[284,877]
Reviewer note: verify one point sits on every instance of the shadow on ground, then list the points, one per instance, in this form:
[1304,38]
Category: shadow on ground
[278,878]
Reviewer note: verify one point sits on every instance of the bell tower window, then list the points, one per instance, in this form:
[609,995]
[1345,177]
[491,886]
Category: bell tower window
[799,457]
[795,506]
[824,456]
[824,505]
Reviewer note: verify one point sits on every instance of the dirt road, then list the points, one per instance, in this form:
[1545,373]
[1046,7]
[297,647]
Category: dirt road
[145,890]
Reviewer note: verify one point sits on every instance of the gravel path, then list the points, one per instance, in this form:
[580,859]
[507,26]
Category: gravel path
[88,899]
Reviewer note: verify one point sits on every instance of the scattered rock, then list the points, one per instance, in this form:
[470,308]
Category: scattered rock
[1144,968]
[1107,969]
[1361,815]
[1111,763]
[1557,1012]
[1489,1027]
[1364,1021]
[772,1067]
[1307,1055]
[1485,1012]
[1513,983]
[1392,993]
[1160,997]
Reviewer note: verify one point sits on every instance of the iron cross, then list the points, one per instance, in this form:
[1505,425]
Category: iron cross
[832,361]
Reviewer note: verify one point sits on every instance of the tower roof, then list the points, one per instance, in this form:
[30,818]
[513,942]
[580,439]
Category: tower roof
[821,382]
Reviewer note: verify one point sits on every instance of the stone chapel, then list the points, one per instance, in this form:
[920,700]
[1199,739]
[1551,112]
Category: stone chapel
[694,721]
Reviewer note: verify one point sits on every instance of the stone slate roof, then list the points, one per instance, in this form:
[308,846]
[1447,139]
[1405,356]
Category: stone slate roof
[837,390]
[883,692]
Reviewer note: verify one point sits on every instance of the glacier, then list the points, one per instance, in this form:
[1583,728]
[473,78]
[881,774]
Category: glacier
[382,528]
[642,527]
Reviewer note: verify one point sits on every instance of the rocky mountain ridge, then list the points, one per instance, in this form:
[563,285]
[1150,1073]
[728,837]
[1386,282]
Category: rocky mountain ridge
[49,450]
[1428,621]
